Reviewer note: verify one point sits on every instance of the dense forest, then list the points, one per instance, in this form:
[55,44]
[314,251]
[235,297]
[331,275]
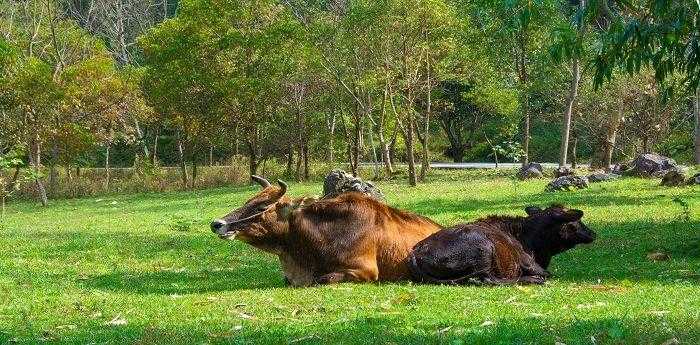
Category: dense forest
[154,83]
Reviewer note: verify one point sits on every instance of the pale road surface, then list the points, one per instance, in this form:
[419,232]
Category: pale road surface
[476,165]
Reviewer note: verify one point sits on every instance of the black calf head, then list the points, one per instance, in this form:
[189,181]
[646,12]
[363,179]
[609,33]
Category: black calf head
[559,226]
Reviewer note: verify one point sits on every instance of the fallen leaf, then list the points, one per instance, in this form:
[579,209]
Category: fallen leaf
[245,315]
[117,321]
[658,256]
[486,323]
[672,341]
[442,331]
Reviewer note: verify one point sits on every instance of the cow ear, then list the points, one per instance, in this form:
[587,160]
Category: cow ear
[532,210]
[571,216]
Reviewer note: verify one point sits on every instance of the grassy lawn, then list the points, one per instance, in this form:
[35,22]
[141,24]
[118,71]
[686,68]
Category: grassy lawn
[146,269]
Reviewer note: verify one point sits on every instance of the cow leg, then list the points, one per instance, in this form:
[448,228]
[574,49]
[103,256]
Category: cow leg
[531,280]
[350,275]
[529,267]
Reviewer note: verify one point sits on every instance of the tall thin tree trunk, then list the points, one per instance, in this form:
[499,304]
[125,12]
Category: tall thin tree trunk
[383,145]
[155,147]
[425,166]
[697,125]
[193,181]
[375,158]
[412,178]
[53,173]
[331,139]
[611,137]
[306,161]
[35,163]
[290,158]
[107,165]
[574,152]
[356,144]
[573,91]
[181,161]
[141,140]
[525,159]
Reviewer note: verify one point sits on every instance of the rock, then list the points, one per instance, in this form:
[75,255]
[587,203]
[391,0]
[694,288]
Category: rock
[673,178]
[619,168]
[652,165]
[567,183]
[602,176]
[563,171]
[658,256]
[338,182]
[694,180]
[532,170]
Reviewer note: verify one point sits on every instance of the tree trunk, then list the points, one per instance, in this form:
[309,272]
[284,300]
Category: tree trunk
[290,159]
[356,144]
[392,147]
[306,161]
[697,125]
[425,166]
[155,147]
[525,159]
[383,145]
[611,137]
[573,91]
[574,155]
[35,163]
[375,158]
[331,128]
[181,161]
[53,173]
[211,156]
[107,165]
[193,181]
[412,178]
[141,140]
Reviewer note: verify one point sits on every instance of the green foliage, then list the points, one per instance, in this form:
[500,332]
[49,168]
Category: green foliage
[657,33]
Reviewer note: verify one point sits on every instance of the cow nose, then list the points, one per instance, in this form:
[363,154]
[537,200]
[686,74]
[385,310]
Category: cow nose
[217,225]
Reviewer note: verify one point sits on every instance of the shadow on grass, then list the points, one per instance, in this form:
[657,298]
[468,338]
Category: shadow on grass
[182,283]
[382,329]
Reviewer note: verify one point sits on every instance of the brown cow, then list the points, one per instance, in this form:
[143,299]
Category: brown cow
[352,237]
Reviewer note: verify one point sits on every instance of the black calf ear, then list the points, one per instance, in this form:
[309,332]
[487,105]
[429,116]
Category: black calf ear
[571,216]
[532,210]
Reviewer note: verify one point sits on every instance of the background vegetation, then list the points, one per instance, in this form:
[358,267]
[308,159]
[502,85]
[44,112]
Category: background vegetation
[145,269]
[260,83]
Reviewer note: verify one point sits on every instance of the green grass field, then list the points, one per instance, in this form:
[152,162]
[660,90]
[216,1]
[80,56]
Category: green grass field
[146,269]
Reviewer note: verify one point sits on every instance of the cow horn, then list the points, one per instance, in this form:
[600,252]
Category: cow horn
[283,187]
[261,181]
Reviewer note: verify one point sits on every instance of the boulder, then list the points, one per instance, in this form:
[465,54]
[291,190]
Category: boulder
[694,180]
[600,176]
[619,168]
[563,171]
[567,183]
[338,182]
[673,178]
[652,165]
[532,170]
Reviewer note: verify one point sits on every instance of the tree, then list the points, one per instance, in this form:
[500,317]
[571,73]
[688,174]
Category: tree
[661,34]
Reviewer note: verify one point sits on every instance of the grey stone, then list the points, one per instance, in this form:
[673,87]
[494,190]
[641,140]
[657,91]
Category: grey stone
[694,180]
[567,183]
[652,165]
[563,171]
[532,170]
[338,182]
[673,178]
[602,176]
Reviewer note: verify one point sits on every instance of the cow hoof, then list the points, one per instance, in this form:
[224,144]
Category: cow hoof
[330,278]
[532,280]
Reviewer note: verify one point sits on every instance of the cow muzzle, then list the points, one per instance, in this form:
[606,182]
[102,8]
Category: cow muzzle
[221,228]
